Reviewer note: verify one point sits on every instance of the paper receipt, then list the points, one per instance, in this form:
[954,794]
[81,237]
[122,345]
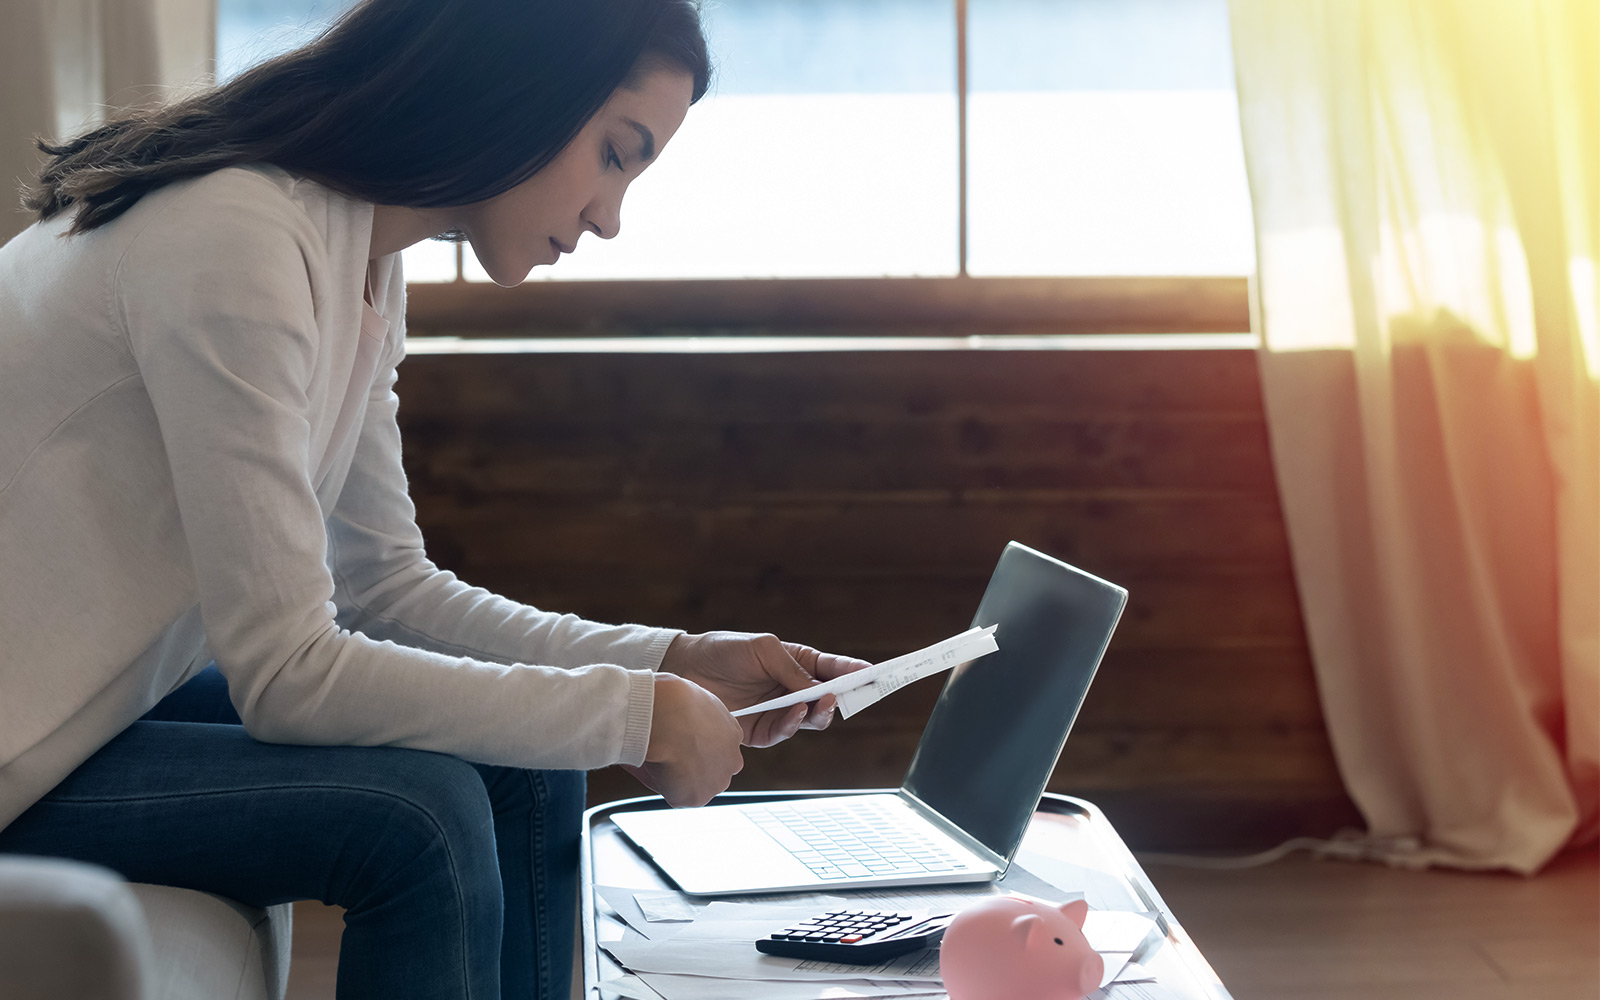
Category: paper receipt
[857,690]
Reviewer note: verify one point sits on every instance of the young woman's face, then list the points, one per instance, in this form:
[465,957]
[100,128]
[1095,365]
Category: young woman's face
[581,189]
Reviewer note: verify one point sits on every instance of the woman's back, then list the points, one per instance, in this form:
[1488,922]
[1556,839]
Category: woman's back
[97,586]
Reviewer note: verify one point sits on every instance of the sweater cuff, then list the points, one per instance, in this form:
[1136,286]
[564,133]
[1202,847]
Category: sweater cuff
[656,651]
[641,704]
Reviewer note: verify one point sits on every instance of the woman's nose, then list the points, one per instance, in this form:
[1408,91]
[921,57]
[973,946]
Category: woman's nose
[604,218]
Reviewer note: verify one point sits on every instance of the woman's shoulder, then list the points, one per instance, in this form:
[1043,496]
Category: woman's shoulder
[245,213]
[250,195]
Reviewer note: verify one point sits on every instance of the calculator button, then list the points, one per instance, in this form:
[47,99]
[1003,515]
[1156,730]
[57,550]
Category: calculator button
[850,939]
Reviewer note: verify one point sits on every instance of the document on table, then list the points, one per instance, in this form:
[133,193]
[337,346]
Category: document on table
[672,987]
[739,960]
[861,688]
[720,943]
[1133,991]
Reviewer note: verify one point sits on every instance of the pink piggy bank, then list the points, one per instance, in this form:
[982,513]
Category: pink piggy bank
[1017,948]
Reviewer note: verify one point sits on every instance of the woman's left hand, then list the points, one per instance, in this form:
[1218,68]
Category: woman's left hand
[743,669]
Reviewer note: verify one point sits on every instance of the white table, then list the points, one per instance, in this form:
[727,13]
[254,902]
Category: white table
[1069,842]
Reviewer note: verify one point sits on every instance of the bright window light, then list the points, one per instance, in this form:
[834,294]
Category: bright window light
[1103,139]
[827,148]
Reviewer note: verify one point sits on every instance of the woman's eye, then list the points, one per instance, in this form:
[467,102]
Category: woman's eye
[612,159]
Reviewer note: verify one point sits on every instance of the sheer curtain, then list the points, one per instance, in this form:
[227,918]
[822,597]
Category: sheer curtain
[65,63]
[1426,185]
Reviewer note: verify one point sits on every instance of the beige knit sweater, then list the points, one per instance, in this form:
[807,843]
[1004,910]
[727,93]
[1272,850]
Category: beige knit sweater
[199,459]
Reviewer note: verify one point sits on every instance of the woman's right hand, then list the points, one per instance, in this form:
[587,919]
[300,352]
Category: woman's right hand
[694,744]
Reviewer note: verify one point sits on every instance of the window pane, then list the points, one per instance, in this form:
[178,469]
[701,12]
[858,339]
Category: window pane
[827,147]
[250,31]
[1103,138]
[430,260]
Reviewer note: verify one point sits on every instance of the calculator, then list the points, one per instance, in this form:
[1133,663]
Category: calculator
[861,937]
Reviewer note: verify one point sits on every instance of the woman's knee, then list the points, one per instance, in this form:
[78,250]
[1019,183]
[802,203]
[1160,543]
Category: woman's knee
[420,816]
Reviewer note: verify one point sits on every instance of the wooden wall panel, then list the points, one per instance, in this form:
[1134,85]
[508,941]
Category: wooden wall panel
[858,501]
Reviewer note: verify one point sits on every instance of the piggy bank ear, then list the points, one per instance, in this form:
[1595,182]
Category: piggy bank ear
[1075,911]
[1024,927]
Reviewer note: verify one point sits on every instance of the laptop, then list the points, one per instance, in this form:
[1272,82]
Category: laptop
[985,756]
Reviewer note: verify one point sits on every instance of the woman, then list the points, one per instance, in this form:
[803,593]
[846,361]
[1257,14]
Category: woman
[199,462]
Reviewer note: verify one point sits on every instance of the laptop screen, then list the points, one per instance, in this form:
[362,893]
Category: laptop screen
[1002,720]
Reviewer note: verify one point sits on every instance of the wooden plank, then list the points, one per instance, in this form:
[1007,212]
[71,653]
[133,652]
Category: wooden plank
[1154,691]
[864,753]
[1222,611]
[554,457]
[776,541]
[467,391]
[1081,305]
[1139,690]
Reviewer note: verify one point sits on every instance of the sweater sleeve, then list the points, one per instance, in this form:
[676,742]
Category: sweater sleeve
[386,587]
[219,313]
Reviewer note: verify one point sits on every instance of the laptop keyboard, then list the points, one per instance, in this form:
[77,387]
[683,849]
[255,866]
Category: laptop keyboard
[852,841]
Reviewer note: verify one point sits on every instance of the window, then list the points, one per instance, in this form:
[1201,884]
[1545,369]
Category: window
[826,148]
[1102,139]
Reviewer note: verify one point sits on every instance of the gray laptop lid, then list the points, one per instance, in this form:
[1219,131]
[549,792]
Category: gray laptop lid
[1001,722]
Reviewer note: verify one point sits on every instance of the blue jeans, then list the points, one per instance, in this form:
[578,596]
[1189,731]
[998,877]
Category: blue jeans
[458,879]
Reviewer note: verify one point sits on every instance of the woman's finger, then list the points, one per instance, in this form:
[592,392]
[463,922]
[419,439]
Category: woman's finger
[778,661]
[819,713]
[823,666]
[773,727]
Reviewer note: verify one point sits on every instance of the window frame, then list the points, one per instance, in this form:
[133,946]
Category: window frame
[832,306]
[955,305]
[958,304]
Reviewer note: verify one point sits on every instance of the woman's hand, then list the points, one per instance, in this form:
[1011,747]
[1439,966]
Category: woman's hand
[744,669]
[694,744]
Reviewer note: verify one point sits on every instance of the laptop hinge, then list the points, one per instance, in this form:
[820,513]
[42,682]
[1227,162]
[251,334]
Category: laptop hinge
[954,832]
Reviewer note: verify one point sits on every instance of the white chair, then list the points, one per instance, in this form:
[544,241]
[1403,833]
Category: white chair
[71,931]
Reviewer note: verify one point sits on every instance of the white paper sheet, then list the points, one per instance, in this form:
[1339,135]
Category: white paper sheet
[861,688]
[664,907]
[720,943]
[624,904]
[626,984]
[743,922]
[1103,890]
[740,960]
[1133,991]
[674,987]
[1116,930]
[1133,972]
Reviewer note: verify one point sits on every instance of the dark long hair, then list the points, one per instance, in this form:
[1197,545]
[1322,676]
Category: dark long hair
[422,103]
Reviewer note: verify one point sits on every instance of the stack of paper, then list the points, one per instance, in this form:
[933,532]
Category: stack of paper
[695,951]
